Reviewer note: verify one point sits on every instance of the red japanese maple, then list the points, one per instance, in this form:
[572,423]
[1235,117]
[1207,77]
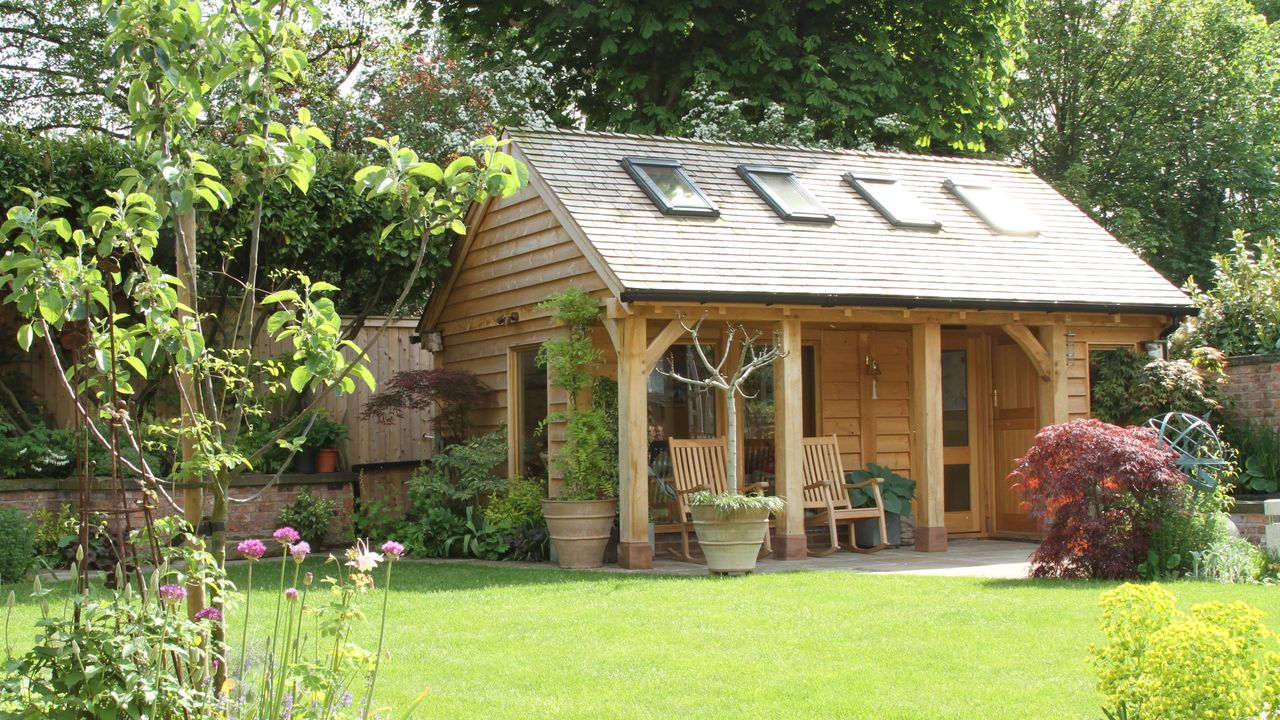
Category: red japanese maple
[1100,490]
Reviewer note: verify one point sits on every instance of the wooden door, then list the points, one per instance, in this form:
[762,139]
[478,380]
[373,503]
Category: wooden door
[961,510]
[1013,415]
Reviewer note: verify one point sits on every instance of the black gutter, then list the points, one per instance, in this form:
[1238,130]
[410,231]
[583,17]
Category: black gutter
[897,301]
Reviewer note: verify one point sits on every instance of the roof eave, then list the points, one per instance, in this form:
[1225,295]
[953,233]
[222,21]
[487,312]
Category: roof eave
[869,300]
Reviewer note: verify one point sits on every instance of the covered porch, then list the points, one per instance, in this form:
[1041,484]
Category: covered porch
[947,397]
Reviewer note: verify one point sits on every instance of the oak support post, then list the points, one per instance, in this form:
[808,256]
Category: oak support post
[634,550]
[926,436]
[788,393]
[1053,395]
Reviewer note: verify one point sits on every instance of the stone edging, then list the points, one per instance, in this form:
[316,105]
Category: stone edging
[1238,360]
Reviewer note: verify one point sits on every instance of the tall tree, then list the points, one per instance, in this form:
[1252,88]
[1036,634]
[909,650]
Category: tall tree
[1156,116]
[934,72]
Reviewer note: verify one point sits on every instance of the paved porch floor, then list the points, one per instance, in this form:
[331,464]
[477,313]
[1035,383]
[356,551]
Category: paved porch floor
[963,558]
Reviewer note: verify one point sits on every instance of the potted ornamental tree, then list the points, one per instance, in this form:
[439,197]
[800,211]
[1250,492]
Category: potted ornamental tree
[581,514]
[731,525]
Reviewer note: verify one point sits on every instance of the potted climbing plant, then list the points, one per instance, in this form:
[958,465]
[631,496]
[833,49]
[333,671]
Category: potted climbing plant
[580,516]
[731,525]
[897,492]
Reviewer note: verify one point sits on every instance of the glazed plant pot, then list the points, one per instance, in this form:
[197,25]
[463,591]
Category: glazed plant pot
[326,461]
[731,543]
[579,530]
[867,532]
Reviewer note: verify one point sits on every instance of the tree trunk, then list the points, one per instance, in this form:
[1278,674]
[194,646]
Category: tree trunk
[731,442]
[192,494]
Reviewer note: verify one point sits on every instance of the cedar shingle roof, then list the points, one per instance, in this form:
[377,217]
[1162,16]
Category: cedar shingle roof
[1073,264]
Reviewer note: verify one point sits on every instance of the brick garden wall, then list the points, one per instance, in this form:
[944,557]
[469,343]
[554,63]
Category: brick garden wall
[1254,390]
[253,519]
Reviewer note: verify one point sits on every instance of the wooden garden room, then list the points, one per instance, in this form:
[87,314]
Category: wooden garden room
[934,313]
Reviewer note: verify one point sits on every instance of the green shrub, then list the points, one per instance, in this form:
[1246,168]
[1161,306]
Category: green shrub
[1187,522]
[41,452]
[373,519]
[309,515]
[436,529]
[1258,447]
[1230,560]
[1240,313]
[1128,388]
[54,533]
[1218,661]
[17,545]
[459,475]
[520,502]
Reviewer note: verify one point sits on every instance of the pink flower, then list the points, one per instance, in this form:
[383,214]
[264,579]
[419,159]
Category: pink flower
[171,594]
[291,594]
[300,551]
[362,558]
[393,549]
[286,535]
[252,549]
[210,613]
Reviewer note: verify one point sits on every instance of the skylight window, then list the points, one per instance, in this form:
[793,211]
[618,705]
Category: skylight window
[999,211]
[667,185]
[779,187]
[895,202]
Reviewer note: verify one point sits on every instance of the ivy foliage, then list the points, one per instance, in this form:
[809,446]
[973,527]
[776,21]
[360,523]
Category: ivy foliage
[941,68]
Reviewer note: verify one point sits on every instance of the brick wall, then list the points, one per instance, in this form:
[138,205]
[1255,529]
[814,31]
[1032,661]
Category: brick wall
[1254,390]
[251,519]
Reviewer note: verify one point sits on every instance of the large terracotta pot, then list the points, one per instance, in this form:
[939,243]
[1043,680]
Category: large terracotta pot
[579,530]
[731,543]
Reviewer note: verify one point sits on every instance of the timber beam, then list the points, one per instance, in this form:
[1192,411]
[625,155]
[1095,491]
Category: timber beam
[1032,347]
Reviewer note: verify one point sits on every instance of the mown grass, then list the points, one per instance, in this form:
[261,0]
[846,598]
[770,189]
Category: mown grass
[494,642]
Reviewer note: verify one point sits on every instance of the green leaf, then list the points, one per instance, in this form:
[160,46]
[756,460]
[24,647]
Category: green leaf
[322,286]
[280,296]
[458,227]
[137,365]
[299,378]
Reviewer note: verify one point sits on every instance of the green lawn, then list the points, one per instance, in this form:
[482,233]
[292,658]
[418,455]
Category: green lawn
[497,643]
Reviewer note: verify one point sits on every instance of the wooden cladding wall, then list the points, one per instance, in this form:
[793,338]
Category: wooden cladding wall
[369,442]
[869,414]
[518,256]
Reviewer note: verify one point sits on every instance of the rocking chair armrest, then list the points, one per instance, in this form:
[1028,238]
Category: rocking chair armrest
[864,483]
[755,487]
[817,484]
[692,490]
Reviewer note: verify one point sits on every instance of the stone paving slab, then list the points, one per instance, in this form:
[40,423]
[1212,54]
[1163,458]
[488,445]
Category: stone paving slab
[963,558]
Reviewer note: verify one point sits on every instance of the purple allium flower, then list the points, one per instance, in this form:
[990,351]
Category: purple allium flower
[252,549]
[393,549]
[286,535]
[210,613]
[291,594]
[172,593]
[300,551]
[308,578]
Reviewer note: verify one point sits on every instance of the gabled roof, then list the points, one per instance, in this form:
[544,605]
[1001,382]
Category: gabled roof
[750,254]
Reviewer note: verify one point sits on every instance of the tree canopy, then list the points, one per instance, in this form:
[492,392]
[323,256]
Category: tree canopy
[906,73]
[1156,116]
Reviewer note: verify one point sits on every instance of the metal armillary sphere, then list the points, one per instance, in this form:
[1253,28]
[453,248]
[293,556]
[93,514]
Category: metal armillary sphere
[1196,441]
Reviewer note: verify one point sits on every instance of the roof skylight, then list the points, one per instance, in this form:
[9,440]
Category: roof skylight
[667,185]
[779,187]
[895,202]
[999,211]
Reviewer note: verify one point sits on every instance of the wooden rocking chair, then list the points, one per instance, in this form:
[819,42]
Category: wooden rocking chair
[700,465]
[826,495]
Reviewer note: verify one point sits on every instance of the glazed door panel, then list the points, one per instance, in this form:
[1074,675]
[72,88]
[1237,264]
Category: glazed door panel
[960,486]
